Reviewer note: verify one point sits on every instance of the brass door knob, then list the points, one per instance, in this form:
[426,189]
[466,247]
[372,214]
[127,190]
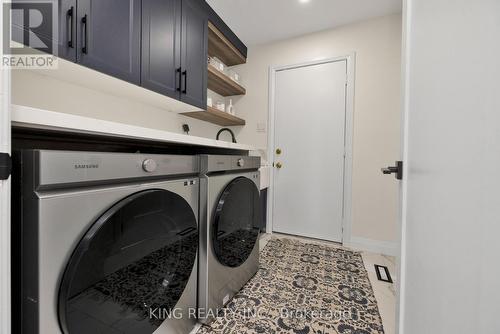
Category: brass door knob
[279,165]
[278,151]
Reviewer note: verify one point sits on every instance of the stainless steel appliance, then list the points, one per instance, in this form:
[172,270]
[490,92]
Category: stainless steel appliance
[107,243]
[229,232]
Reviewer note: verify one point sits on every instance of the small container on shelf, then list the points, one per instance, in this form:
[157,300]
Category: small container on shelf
[230,108]
[221,106]
[235,76]
[217,63]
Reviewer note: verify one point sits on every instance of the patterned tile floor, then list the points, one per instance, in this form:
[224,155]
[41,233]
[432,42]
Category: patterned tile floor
[303,287]
[385,293]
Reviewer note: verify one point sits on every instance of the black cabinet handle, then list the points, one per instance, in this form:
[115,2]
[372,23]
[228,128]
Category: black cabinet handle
[184,91]
[85,31]
[71,13]
[178,84]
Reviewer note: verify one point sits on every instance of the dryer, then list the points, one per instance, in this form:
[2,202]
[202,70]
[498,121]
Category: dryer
[230,214]
[105,243]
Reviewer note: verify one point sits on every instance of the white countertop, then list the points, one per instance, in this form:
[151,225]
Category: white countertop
[27,117]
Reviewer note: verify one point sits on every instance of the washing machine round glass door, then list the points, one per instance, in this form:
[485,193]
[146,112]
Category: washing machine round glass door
[235,223]
[131,267]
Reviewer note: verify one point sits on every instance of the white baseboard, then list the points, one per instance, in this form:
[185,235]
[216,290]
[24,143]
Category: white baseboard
[374,246]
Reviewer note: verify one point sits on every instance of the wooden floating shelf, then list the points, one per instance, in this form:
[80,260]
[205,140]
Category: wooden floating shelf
[219,46]
[222,84]
[216,116]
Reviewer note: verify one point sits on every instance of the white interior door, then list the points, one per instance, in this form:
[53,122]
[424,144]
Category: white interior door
[310,114]
[451,226]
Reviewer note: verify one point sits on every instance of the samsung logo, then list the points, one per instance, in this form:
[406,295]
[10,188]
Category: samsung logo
[86,166]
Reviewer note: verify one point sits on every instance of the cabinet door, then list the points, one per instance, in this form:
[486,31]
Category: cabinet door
[194,54]
[161,38]
[109,37]
[60,43]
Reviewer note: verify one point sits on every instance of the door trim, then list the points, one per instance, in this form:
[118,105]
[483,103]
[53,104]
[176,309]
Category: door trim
[5,146]
[349,122]
[403,193]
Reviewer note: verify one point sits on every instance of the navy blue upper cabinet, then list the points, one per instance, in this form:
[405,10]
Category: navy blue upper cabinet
[194,54]
[109,37]
[174,49]
[161,45]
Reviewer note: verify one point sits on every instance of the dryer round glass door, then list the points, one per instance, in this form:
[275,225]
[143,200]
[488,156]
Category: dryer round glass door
[135,259]
[235,223]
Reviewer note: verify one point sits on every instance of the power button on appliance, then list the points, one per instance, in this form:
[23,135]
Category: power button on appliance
[241,162]
[149,165]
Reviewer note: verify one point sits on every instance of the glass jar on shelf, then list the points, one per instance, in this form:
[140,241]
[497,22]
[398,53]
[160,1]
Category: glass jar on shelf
[221,106]
[235,76]
[217,64]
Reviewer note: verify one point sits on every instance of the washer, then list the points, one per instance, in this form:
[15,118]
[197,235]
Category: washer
[229,232]
[106,242]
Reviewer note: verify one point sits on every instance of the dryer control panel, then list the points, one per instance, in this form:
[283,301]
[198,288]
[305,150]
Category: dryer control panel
[222,163]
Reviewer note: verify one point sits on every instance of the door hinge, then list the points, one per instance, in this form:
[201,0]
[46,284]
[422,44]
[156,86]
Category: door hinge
[5,166]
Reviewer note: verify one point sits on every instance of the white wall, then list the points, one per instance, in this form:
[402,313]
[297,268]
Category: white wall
[451,269]
[377,44]
[31,88]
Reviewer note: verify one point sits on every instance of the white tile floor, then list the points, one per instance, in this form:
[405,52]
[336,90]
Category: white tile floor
[384,292]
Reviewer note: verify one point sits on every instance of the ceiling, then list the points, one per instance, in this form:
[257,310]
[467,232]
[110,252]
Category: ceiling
[263,21]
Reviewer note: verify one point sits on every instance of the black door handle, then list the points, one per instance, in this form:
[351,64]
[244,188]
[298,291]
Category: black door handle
[71,14]
[184,74]
[85,31]
[179,79]
[398,170]
[5,166]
